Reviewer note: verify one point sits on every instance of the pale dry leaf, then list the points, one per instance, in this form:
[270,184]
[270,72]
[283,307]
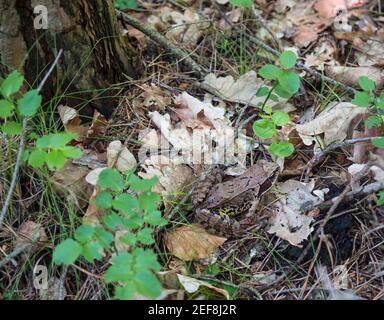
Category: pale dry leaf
[242,90]
[330,8]
[192,242]
[334,123]
[119,157]
[350,75]
[192,285]
[290,225]
[72,122]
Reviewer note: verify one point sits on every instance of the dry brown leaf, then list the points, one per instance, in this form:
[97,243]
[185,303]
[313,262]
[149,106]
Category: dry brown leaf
[30,232]
[70,183]
[192,242]
[330,8]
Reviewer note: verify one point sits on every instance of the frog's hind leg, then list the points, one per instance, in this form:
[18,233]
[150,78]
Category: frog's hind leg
[216,224]
[203,187]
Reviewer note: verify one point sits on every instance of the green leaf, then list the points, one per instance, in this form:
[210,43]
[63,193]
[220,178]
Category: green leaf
[145,236]
[104,200]
[241,3]
[362,99]
[29,103]
[281,149]
[374,121]
[55,140]
[280,118]
[126,292]
[380,101]
[72,152]
[37,158]
[11,84]
[146,259]
[366,84]
[290,82]
[270,72]
[154,218]
[55,159]
[67,252]
[121,268]
[288,59]
[281,92]
[111,179]
[262,92]
[12,128]
[84,233]
[6,108]
[113,221]
[134,221]
[125,203]
[129,239]
[137,184]
[380,201]
[264,128]
[93,250]
[148,284]
[378,142]
[149,201]
[104,237]
[126,4]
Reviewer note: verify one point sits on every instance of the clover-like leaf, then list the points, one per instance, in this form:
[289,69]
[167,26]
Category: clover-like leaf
[264,128]
[362,99]
[288,59]
[281,149]
[280,118]
[366,84]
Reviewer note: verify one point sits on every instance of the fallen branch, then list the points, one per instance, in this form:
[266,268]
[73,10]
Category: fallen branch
[161,40]
[22,146]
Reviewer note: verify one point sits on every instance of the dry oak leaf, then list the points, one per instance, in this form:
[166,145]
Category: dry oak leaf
[192,242]
[119,157]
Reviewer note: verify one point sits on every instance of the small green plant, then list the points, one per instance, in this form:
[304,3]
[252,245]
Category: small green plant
[241,3]
[375,103]
[125,4]
[130,209]
[286,83]
[380,202]
[51,149]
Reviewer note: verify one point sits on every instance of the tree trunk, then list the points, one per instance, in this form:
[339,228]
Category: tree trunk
[96,55]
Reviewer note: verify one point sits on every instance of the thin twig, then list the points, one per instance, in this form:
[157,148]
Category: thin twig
[15,253]
[22,146]
[161,40]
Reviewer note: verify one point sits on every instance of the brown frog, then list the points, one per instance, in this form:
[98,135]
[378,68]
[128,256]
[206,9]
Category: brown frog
[241,194]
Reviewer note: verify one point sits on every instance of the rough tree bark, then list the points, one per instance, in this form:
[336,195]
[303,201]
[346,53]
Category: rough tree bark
[96,55]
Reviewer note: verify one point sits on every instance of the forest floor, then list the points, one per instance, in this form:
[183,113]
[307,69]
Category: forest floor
[319,229]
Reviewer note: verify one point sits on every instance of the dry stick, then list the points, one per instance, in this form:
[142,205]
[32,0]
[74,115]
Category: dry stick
[160,39]
[15,253]
[319,156]
[22,146]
